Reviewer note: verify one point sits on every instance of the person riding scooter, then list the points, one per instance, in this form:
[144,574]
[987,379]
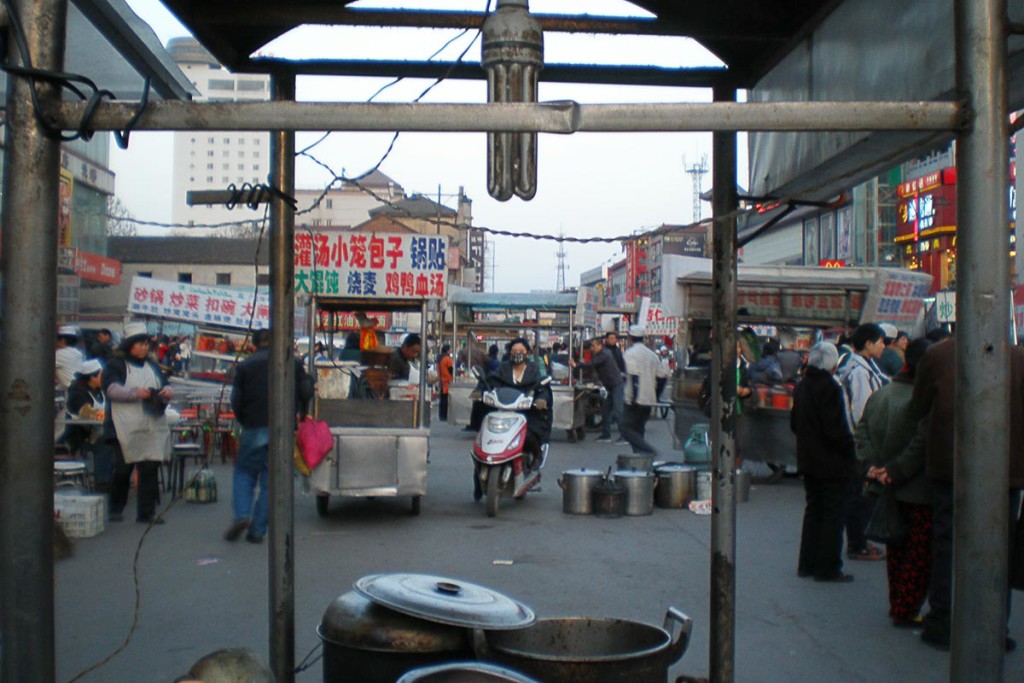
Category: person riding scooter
[519,373]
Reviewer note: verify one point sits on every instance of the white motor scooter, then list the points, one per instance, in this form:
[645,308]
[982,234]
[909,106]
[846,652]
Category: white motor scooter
[500,466]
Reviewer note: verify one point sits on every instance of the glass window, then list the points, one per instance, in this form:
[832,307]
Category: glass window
[222,84]
[223,278]
[185,277]
[209,140]
[145,273]
[251,86]
[263,279]
[330,203]
[209,178]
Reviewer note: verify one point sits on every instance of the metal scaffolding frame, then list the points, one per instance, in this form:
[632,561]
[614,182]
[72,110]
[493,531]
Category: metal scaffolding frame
[29,304]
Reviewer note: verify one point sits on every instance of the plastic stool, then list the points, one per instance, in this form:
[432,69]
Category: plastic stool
[181,452]
[71,473]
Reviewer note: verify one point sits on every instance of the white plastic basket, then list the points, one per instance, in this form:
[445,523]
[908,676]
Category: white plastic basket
[81,516]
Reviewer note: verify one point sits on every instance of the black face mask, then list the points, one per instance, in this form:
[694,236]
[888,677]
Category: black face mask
[517,358]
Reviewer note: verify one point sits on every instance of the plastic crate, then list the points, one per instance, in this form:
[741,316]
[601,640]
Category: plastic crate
[81,516]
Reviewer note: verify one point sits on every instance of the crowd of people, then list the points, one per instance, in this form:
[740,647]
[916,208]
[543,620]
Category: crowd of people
[873,419]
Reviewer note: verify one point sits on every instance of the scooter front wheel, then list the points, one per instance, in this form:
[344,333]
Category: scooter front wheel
[493,491]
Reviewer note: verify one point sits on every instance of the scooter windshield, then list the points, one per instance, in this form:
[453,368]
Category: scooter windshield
[509,398]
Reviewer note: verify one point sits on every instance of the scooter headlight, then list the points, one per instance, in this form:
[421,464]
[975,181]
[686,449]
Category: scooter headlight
[500,425]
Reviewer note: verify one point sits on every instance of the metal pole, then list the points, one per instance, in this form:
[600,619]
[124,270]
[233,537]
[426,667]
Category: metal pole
[27,360]
[282,391]
[980,520]
[723,417]
[552,117]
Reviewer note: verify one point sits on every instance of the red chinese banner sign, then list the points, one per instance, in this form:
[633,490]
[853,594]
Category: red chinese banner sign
[343,322]
[202,305]
[364,265]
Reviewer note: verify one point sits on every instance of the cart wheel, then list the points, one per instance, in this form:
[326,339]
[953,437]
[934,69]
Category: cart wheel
[493,493]
[416,505]
[571,434]
[581,434]
[321,504]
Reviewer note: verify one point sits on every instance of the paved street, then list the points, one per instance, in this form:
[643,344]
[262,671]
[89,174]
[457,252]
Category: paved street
[200,593]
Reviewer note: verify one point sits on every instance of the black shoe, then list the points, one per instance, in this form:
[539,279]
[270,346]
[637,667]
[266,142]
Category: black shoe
[935,638]
[253,538]
[837,578]
[235,530]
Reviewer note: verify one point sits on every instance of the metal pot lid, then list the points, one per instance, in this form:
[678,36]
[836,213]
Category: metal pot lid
[582,472]
[632,474]
[446,601]
[353,621]
[668,469]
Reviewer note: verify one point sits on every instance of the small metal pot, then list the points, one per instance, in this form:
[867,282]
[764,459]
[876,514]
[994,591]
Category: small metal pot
[676,487]
[608,498]
[578,490]
[464,672]
[639,487]
[635,461]
[582,650]
[366,642]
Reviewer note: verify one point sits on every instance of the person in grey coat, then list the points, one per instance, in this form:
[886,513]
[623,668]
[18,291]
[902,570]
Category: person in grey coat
[885,442]
[608,373]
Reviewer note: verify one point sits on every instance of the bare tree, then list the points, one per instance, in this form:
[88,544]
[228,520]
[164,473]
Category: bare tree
[120,222]
[249,230]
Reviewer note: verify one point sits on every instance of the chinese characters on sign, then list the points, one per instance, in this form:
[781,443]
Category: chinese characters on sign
[896,297]
[776,303]
[369,265]
[224,306]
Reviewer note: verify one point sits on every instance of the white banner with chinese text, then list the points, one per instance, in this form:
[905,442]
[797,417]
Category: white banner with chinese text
[203,305]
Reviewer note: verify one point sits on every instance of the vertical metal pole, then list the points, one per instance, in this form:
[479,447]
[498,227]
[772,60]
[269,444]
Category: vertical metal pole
[27,359]
[723,418]
[980,522]
[282,392]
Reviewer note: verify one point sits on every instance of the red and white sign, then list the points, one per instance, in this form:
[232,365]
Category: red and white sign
[348,321]
[659,324]
[89,266]
[223,306]
[363,265]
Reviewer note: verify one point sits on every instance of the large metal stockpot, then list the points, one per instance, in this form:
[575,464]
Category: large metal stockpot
[392,623]
[583,650]
[639,487]
[578,490]
[677,485]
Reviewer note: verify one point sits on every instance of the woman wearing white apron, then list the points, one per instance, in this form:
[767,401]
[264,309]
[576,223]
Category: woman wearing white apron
[136,396]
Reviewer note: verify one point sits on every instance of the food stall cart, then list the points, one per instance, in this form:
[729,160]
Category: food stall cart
[380,429]
[799,306]
[505,316]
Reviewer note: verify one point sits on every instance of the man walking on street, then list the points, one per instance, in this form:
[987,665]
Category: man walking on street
[608,373]
[250,399]
[641,380]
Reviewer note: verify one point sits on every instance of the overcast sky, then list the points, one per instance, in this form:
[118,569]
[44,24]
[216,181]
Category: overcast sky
[589,184]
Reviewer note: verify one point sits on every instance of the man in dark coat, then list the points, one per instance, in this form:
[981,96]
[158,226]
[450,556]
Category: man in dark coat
[934,399]
[825,457]
[610,375]
[250,399]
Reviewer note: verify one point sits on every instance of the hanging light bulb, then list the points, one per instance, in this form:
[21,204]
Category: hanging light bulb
[513,55]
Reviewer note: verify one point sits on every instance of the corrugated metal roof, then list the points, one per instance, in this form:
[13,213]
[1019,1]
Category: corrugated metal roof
[541,301]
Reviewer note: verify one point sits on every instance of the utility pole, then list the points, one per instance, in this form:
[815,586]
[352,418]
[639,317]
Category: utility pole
[697,173]
[562,265]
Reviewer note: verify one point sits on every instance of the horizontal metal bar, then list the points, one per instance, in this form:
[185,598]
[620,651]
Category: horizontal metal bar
[698,77]
[201,197]
[552,117]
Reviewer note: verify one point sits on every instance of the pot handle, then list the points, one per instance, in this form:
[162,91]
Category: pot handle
[561,483]
[676,619]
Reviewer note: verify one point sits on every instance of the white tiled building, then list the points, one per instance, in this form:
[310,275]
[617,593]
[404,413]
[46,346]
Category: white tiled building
[205,160]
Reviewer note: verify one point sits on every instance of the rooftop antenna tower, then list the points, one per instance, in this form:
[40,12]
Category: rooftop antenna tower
[562,265]
[697,173]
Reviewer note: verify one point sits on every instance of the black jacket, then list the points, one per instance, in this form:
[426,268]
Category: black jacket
[606,368]
[250,393]
[824,445]
[617,355]
[538,421]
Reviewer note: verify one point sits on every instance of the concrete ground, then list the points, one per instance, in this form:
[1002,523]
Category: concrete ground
[200,593]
